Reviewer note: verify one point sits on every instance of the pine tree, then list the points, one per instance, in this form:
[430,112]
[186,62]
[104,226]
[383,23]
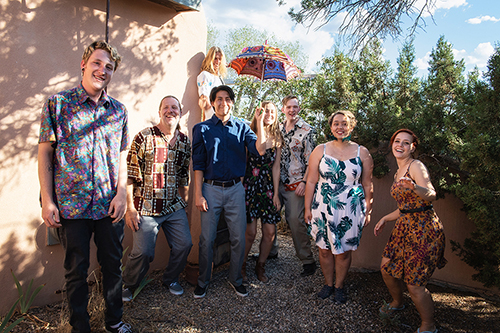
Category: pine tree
[406,87]
[435,123]
[479,187]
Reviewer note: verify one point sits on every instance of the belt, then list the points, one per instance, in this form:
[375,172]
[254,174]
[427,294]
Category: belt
[291,187]
[416,210]
[228,183]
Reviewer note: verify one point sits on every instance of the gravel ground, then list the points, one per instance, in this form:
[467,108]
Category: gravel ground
[288,303]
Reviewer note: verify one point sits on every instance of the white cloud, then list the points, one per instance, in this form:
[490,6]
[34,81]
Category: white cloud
[423,63]
[481,19]
[480,56]
[440,4]
[447,4]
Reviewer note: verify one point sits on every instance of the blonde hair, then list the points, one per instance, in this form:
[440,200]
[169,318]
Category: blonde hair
[272,130]
[348,114]
[208,62]
[102,45]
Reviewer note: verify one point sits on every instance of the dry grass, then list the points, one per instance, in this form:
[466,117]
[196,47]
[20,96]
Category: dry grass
[288,303]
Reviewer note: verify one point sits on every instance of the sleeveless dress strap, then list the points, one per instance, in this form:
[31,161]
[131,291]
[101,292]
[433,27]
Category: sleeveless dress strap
[358,150]
[408,170]
[324,149]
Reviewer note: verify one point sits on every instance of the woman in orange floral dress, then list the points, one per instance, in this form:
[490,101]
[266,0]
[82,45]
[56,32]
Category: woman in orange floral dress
[416,245]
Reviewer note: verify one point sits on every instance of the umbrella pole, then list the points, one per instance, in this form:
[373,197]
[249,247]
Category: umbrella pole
[262,77]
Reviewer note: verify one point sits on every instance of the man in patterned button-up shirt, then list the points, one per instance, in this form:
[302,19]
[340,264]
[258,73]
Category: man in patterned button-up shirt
[82,169]
[157,186]
[298,144]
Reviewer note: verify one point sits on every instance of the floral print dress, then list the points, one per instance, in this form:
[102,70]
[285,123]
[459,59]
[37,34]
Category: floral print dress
[416,245]
[338,207]
[259,188]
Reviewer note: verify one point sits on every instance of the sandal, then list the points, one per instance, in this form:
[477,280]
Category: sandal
[389,310]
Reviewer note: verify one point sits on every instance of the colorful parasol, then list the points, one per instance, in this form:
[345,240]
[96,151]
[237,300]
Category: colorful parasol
[265,63]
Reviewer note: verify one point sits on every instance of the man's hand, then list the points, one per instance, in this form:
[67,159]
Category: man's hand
[118,206]
[50,215]
[301,189]
[132,219]
[201,204]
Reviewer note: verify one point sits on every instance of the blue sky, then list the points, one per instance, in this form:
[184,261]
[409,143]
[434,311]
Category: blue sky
[472,27]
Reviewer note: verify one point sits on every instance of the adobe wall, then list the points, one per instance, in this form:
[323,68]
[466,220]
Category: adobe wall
[41,47]
[42,43]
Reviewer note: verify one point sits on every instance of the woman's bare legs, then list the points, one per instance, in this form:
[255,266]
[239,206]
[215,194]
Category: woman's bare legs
[266,243]
[394,285]
[422,299]
[250,236]
[342,264]
[327,263]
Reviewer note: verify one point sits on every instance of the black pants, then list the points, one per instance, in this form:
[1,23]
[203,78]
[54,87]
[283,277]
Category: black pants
[75,238]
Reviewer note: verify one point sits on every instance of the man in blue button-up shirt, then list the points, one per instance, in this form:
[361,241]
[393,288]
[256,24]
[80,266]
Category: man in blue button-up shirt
[219,160]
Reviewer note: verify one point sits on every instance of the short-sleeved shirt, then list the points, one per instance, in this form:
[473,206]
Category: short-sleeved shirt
[157,170]
[88,138]
[220,150]
[298,145]
[206,82]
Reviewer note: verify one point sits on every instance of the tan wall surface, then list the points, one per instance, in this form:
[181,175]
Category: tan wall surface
[41,46]
[42,42]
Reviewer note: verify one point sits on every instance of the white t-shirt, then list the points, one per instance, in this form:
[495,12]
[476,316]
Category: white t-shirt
[206,82]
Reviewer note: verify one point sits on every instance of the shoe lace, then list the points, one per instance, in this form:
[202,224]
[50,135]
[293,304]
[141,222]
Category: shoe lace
[125,328]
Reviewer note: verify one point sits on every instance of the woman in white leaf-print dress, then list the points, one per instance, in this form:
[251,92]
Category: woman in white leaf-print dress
[338,201]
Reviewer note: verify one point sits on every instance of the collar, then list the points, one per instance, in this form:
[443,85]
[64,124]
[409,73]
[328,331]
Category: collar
[216,120]
[300,123]
[83,96]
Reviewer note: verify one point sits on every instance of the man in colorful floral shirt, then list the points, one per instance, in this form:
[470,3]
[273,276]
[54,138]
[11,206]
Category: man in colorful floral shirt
[82,169]
[298,144]
[157,187]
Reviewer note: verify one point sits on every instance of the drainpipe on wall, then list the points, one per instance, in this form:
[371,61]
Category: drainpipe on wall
[107,21]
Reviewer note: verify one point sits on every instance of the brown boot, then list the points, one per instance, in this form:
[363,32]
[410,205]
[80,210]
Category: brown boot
[244,273]
[261,272]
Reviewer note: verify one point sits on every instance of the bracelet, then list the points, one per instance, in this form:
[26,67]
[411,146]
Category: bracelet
[303,181]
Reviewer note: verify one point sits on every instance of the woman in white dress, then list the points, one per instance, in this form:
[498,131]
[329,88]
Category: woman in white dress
[213,69]
[338,201]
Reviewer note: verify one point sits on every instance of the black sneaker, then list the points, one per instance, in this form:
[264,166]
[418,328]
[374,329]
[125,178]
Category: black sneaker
[200,292]
[120,328]
[325,292]
[308,269]
[340,296]
[241,290]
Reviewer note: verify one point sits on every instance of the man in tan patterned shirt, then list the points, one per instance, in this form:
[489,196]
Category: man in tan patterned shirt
[298,144]
[157,193]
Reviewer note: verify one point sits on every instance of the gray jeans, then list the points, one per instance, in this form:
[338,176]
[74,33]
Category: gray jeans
[231,201]
[176,229]
[294,216]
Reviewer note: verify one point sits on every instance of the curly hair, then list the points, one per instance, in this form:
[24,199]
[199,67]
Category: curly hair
[102,45]
[348,114]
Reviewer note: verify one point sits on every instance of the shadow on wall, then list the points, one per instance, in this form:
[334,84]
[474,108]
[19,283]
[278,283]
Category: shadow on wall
[42,43]
[47,263]
[193,69]
[41,53]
